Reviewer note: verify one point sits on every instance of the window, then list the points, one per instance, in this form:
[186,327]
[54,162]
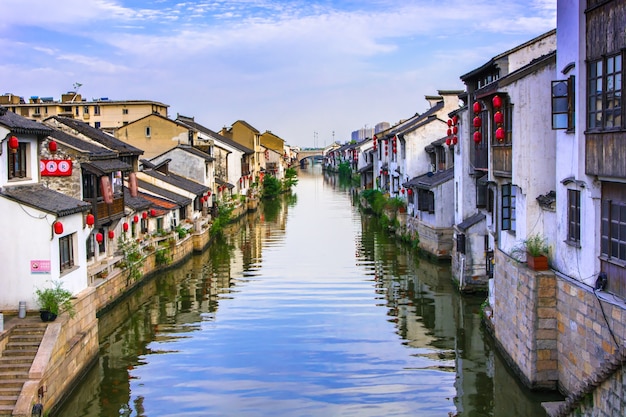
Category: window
[573,216]
[97,125]
[563,104]
[604,106]
[96,111]
[426,201]
[77,110]
[85,109]
[508,207]
[124,111]
[481,192]
[613,233]
[66,252]
[18,162]
[147,131]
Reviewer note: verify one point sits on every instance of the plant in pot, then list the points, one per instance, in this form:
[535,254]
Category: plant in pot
[54,301]
[536,248]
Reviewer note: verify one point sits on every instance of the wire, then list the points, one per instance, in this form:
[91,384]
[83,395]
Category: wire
[606,319]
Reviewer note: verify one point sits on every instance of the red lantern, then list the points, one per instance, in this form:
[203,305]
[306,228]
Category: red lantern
[111,234]
[144,215]
[497,102]
[500,134]
[477,107]
[477,122]
[477,137]
[208,194]
[90,220]
[402,191]
[448,141]
[498,117]
[455,120]
[13,144]
[449,122]
[99,237]
[240,180]
[52,146]
[455,140]
[455,130]
[410,191]
[449,132]
[58,227]
[135,219]
[152,212]
[125,227]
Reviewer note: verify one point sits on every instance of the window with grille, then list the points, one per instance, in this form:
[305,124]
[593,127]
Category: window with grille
[604,93]
[18,162]
[66,252]
[573,216]
[508,207]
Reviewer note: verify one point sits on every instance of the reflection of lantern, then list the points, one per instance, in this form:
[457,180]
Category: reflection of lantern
[13,144]
[125,227]
[58,228]
[135,219]
[477,137]
[144,215]
[500,134]
[90,220]
[111,234]
[99,237]
[477,107]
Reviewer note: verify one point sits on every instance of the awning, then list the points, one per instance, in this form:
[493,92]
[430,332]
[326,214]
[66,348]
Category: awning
[105,166]
[366,168]
[430,180]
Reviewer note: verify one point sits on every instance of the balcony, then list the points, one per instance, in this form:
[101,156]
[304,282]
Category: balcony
[105,213]
[502,160]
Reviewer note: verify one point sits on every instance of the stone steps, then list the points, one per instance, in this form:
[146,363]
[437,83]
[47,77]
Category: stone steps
[16,360]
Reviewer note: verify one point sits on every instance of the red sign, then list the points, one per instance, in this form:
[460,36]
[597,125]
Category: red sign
[55,167]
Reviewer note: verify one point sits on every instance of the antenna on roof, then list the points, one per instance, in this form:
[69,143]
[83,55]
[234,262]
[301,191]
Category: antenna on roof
[76,86]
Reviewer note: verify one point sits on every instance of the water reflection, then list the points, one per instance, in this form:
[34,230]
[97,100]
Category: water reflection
[306,308]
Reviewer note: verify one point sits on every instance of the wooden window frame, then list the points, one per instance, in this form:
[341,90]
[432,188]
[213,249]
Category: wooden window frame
[18,162]
[66,252]
[508,207]
[605,110]
[573,217]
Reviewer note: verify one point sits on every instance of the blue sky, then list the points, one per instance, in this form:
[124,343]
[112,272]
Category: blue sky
[291,67]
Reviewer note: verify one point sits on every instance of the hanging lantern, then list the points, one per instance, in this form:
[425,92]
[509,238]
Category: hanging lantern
[240,180]
[449,122]
[455,140]
[58,227]
[498,118]
[410,191]
[125,227]
[455,130]
[208,194]
[90,220]
[13,144]
[455,120]
[497,102]
[144,215]
[477,122]
[52,146]
[152,212]
[448,141]
[111,234]
[478,137]
[135,219]
[402,191]
[99,237]
[500,134]
[477,107]
[449,132]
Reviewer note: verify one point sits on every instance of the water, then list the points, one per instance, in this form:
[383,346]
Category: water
[306,309]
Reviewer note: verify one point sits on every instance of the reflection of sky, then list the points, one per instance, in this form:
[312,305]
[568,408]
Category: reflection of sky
[306,334]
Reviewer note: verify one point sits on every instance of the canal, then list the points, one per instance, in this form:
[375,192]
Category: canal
[305,308]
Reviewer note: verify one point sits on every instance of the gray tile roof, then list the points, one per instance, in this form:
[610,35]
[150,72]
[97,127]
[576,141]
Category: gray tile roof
[45,199]
[136,203]
[99,136]
[191,123]
[105,166]
[18,124]
[169,195]
[430,180]
[471,221]
[94,151]
[178,181]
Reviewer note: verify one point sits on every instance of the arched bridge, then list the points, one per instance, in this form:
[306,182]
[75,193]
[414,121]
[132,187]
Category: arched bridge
[310,153]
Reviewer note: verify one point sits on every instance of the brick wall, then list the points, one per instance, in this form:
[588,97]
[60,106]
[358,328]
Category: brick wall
[525,321]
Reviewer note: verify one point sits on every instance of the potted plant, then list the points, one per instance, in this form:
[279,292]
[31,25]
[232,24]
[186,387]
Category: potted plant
[537,250]
[53,301]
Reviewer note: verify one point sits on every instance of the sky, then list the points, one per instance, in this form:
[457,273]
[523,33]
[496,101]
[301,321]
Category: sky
[310,71]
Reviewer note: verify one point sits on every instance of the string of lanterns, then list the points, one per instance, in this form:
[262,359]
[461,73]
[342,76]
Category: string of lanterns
[453,129]
[478,137]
